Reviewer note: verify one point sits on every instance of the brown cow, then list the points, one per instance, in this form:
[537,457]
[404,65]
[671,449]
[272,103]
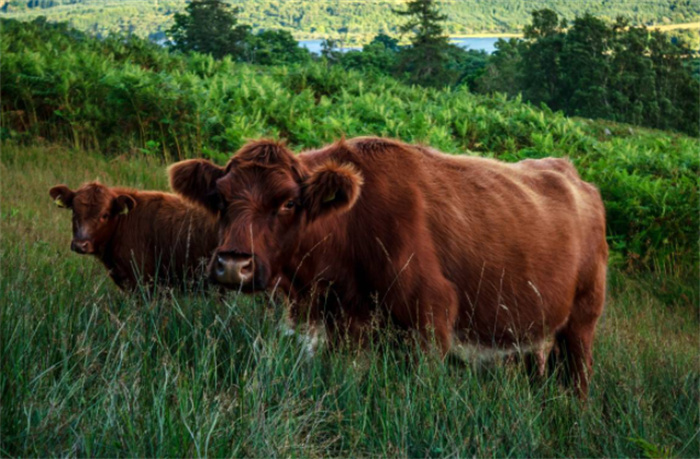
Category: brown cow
[139,235]
[482,255]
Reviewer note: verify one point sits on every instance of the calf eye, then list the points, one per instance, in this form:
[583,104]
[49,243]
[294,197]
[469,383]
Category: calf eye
[289,205]
[105,216]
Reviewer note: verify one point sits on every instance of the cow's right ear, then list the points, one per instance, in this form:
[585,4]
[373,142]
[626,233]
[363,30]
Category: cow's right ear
[195,180]
[62,196]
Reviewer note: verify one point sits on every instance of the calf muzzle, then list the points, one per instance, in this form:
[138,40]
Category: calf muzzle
[83,246]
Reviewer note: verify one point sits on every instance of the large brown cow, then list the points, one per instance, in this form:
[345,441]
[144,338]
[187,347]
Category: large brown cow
[485,255]
[139,235]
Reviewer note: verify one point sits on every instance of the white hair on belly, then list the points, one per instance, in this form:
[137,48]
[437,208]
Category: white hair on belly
[476,353]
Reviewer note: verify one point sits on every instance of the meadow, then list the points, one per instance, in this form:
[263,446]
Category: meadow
[87,370]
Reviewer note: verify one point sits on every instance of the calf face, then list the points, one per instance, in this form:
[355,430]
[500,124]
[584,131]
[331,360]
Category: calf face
[96,210]
[264,199]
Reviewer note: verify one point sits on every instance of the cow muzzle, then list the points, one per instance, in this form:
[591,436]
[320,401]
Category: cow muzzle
[81,246]
[235,270]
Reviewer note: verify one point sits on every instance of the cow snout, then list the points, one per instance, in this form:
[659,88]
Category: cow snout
[233,270]
[81,246]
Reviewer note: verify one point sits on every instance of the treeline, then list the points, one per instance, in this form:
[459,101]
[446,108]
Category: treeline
[599,70]
[590,68]
[213,27]
[125,94]
[356,21]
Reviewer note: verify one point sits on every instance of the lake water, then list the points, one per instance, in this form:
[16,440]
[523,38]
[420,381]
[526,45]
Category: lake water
[485,44]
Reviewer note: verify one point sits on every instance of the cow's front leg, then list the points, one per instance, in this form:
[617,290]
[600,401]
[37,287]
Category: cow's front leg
[438,310]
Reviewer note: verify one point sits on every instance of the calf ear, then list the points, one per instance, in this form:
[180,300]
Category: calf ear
[123,204]
[332,187]
[62,196]
[195,180]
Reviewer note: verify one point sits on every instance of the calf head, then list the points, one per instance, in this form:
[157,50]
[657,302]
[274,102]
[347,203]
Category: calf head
[96,210]
[264,199]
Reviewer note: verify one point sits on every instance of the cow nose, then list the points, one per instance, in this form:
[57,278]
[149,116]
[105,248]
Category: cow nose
[234,270]
[80,246]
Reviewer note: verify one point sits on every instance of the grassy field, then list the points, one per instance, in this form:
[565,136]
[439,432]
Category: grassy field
[89,371]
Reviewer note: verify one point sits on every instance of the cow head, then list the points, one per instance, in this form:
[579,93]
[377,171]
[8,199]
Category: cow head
[264,199]
[96,209]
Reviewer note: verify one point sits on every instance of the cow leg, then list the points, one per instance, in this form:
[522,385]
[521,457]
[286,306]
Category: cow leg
[577,348]
[536,360]
[438,309]
[577,336]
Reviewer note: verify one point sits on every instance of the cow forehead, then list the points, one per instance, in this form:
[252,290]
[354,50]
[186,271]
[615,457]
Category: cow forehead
[92,199]
[262,181]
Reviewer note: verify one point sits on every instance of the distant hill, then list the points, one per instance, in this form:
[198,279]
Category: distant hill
[350,20]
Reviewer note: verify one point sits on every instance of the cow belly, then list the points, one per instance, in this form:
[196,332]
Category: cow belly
[477,353]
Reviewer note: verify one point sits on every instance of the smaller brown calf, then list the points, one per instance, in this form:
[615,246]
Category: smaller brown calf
[145,236]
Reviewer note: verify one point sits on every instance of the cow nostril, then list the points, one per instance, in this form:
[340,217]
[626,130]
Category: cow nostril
[246,267]
[220,266]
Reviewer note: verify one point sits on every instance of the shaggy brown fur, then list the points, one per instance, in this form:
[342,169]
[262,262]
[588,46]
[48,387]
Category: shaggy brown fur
[464,249]
[139,235]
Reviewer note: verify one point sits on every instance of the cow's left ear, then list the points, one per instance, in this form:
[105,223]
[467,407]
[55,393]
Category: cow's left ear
[62,196]
[123,204]
[330,188]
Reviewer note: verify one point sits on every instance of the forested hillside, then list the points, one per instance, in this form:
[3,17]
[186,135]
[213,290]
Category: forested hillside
[349,20]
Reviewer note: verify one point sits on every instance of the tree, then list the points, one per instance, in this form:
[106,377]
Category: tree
[383,41]
[468,64]
[330,51]
[585,68]
[377,56]
[545,23]
[426,61]
[275,47]
[544,41]
[503,72]
[209,26]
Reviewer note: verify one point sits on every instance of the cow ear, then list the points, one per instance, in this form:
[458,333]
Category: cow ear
[62,196]
[332,187]
[195,180]
[123,204]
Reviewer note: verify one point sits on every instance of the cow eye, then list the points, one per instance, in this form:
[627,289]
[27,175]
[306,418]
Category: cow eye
[289,205]
[105,216]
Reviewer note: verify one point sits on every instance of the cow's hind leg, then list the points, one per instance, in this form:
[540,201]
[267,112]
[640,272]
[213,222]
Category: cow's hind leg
[536,360]
[576,338]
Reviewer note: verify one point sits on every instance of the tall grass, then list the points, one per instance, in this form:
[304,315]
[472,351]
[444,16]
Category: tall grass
[89,371]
